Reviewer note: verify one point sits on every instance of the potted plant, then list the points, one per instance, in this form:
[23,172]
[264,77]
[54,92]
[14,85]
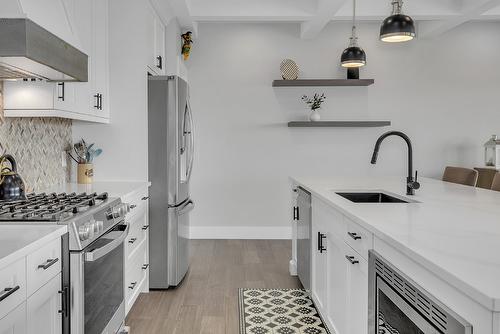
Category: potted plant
[314,104]
[84,156]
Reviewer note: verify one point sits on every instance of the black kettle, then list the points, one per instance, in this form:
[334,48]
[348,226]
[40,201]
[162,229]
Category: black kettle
[11,184]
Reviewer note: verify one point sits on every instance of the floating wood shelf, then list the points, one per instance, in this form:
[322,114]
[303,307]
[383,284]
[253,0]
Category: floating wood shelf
[323,82]
[338,124]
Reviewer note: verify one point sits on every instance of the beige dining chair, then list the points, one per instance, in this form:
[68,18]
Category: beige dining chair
[460,175]
[495,185]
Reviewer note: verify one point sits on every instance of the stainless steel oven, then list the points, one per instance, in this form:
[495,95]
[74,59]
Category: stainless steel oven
[97,284]
[397,305]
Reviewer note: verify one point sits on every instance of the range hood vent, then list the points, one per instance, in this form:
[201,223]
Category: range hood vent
[28,51]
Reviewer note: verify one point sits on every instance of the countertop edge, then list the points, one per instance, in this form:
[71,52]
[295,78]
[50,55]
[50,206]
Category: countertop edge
[58,231]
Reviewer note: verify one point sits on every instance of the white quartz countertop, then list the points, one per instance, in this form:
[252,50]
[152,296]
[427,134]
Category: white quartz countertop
[17,241]
[114,189]
[454,231]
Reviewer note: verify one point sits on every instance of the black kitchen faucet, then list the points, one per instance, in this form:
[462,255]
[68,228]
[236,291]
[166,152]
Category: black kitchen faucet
[411,183]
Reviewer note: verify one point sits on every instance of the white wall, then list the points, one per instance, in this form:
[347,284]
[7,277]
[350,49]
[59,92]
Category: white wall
[443,93]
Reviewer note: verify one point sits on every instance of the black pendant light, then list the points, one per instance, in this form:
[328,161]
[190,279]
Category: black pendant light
[353,56]
[397,27]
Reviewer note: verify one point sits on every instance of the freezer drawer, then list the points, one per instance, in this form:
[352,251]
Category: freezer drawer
[169,248]
[303,218]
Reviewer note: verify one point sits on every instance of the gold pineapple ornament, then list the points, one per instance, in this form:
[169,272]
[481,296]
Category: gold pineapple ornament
[186,45]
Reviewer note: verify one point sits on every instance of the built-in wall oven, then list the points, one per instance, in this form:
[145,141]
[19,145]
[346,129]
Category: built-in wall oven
[397,305]
[97,284]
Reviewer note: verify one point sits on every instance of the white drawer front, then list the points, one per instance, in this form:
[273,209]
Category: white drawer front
[12,286]
[137,199]
[135,271]
[358,238]
[138,232]
[15,321]
[43,264]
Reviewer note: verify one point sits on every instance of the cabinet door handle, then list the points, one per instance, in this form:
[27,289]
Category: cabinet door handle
[100,101]
[49,263]
[159,62]
[64,297]
[145,266]
[145,227]
[132,240]
[96,104]
[321,236]
[60,95]
[354,235]
[145,198]
[351,259]
[132,285]
[8,291]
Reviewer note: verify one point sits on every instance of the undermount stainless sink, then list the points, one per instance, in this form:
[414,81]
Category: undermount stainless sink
[371,197]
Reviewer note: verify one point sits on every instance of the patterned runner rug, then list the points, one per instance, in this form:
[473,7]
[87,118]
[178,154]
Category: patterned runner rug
[278,311]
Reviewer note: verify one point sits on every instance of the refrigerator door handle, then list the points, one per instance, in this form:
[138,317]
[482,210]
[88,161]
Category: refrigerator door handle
[191,134]
[187,207]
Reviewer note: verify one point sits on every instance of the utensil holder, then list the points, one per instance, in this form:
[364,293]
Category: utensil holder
[85,173]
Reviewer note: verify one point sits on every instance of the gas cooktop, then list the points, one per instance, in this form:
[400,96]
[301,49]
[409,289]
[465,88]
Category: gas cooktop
[51,207]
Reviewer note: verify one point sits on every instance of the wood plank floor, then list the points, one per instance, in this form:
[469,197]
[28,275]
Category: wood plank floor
[207,300]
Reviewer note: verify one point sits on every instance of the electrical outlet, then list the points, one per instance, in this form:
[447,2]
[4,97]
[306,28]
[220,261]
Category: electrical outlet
[63,159]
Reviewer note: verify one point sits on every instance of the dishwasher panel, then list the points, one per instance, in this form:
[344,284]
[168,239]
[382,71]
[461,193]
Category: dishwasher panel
[304,227]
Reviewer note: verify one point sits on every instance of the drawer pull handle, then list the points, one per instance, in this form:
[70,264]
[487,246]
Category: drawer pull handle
[321,247]
[145,227]
[8,291]
[354,235]
[132,240]
[351,259]
[145,266]
[48,264]
[132,285]
[145,198]
[133,206]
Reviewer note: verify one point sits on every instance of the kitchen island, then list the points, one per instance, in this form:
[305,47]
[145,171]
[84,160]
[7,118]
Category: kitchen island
[447,240]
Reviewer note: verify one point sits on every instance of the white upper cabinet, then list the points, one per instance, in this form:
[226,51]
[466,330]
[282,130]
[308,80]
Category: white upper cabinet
[87,101]
[156,43]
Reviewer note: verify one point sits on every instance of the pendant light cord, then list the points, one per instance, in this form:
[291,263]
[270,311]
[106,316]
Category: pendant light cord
[353,38]
[397,5]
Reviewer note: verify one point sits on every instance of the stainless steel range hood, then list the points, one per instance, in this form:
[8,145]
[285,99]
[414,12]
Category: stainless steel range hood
[28,51]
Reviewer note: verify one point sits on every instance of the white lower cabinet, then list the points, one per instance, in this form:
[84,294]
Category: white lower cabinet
[337,277]
[357,311]
[339,273]
[137,247]
[30,298]
[318,267]
[15,321]
[43,309]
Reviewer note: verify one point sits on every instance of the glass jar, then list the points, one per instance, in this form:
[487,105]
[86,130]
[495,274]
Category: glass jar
[490,151]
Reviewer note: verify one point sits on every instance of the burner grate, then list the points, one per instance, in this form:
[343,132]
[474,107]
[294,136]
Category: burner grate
[49,207]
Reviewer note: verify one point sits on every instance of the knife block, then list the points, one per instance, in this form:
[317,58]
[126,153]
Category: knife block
[85,173]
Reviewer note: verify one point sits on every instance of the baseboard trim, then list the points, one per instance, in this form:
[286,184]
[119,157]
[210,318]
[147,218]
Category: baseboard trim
[240,232]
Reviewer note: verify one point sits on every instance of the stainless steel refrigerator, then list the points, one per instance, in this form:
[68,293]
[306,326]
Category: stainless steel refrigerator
[171,153]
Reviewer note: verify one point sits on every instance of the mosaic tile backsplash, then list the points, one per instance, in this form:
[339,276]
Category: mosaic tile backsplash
[37,145]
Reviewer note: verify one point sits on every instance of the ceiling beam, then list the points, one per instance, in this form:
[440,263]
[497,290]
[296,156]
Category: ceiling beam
[325,13]
[471,9]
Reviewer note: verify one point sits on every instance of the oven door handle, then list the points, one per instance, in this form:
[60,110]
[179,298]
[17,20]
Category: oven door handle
[108,248]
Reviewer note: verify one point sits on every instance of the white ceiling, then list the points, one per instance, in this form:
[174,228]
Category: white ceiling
[432,16]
